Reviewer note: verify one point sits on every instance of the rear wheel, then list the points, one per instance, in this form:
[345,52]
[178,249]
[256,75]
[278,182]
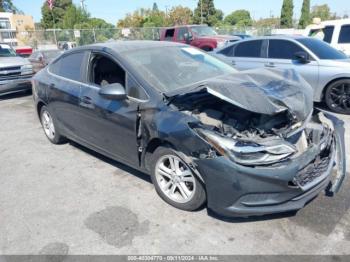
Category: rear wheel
[49,126]
[175,182]
[337,96]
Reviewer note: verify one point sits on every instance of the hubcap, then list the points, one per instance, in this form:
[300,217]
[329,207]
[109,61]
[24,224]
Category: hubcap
[175,179]
[48,126]
[340,97]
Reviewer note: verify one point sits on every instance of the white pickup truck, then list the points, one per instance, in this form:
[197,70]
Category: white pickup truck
[15,71]
[336,33]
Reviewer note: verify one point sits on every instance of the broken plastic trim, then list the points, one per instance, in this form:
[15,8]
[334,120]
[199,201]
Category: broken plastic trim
[340,160]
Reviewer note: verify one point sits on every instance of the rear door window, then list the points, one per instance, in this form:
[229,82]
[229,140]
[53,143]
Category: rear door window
[249,49]
[328,33]
[344,35]
[283,49]
[169,34]
[69,66]
[228,51]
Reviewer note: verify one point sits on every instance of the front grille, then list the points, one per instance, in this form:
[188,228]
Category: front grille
[312,171]
[12,68]
[10,74]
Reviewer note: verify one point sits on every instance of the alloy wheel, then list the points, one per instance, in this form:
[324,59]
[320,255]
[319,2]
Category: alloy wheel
[175,179]
[48,125]
[340,97]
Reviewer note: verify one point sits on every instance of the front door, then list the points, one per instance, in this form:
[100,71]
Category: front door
[108,125]
[281,54]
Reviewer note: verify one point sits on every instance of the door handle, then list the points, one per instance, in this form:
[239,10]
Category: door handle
[233,62]
[270,64]
[52,85]
[86,100]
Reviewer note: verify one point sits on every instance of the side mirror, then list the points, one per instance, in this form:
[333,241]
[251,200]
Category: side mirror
[302,57]
[113,91]
[40,59]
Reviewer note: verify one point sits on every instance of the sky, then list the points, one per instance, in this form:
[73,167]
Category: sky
[112,10]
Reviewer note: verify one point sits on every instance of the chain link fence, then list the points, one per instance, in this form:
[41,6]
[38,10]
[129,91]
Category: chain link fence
[42,39]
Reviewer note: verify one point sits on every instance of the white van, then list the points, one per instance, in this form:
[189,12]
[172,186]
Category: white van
[336,33]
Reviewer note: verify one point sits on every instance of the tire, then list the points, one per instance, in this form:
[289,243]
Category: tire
[174,184]
[337,96]
[207,49]
[49,125]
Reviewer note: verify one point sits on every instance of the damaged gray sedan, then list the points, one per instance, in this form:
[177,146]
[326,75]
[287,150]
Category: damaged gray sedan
[243,143]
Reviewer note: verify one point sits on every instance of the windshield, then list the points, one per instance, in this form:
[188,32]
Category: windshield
[203,30]
[321,49]
[6,51]
[171,68]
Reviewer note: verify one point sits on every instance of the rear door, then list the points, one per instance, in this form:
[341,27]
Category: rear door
[247,55]
[63,90]
[281,54]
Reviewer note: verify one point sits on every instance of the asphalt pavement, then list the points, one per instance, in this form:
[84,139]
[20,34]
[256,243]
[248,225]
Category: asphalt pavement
[67,199]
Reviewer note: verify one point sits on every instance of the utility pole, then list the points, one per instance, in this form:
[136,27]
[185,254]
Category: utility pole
[82,4]
[201,11]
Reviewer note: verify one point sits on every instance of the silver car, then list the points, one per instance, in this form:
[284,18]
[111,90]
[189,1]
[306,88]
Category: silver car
[326,69]
[15,71]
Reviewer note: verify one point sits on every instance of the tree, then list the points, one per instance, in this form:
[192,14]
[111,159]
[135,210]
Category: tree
[8,6]
[287,14]
[74,15]
[272,22]
[211,15]
[305,14]
[239,18]
[179,15]
[155,7]
[54,18]
[321,11]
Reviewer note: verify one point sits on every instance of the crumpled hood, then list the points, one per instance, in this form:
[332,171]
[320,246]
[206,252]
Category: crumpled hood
[264,91]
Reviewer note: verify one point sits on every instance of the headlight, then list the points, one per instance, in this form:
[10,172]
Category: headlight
[249,153]
[26,69]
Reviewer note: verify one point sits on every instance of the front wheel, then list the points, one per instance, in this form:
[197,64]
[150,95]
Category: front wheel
[337,96]
[175,182]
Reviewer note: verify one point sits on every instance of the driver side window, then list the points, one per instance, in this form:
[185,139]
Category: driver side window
[104,71]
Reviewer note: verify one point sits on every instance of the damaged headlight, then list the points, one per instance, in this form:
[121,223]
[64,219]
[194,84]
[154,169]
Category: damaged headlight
[249,153]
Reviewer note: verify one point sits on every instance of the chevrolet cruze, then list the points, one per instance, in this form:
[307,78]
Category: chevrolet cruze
[242,143]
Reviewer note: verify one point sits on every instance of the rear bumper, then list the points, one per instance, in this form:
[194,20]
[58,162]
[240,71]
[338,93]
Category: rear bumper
[15,85]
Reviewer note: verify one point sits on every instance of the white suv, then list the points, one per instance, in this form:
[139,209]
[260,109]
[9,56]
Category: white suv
[336,33]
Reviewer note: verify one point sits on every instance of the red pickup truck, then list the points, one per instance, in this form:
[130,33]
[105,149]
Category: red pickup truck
[201,36]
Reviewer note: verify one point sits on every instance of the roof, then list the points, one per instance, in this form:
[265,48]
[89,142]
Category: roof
[128,45]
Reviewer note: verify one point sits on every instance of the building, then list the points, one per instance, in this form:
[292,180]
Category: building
[14,27]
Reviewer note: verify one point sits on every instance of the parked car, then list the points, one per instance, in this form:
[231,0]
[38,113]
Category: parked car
[245,143]
[24,51]
[336,33]
[201,36]
[41,58]
[15,71]
[326,69]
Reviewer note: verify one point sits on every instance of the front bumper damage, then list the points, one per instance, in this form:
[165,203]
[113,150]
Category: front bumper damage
[237,190]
